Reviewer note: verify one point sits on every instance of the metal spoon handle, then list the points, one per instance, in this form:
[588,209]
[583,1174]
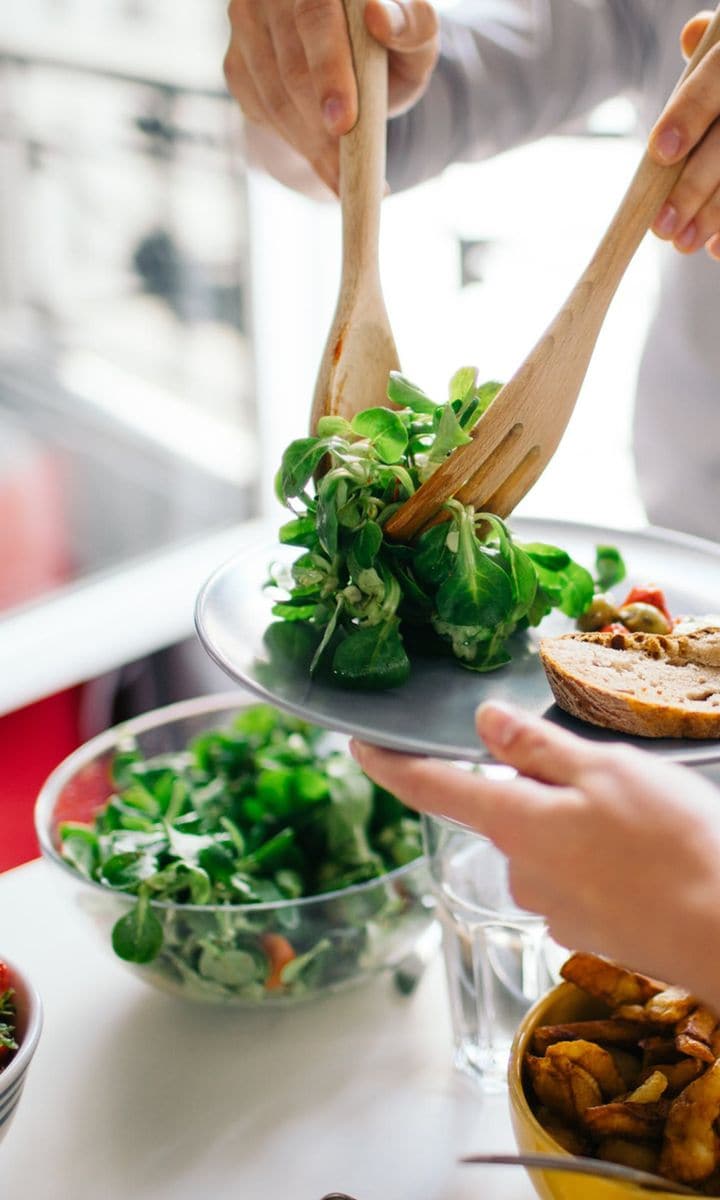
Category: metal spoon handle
[578,1165]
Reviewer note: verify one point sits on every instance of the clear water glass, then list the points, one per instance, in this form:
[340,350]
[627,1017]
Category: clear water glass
[498,958]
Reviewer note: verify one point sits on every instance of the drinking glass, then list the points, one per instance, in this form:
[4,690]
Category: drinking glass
[498,958]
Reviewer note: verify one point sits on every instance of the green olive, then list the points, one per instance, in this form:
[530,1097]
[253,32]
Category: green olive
[601,612]
[644,618]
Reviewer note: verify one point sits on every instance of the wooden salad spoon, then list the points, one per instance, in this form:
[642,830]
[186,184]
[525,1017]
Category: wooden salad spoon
[515,439]
[360,350]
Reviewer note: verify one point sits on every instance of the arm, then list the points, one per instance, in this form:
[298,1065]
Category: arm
[510,73]
[620,852]
[507,72]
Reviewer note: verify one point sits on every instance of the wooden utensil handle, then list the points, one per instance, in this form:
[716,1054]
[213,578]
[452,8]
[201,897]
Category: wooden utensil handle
[651,184]
[362,150]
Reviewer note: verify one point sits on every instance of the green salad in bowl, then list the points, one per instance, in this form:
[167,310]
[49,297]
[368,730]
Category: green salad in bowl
[232,854]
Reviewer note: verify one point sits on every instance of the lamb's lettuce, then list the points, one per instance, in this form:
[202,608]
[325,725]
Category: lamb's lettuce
[465,582]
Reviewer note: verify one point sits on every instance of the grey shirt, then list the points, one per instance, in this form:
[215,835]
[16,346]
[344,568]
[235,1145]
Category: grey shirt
[511,71]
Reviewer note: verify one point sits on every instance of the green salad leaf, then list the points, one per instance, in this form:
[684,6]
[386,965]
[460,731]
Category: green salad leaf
[465,582]
[137,937]
[609,567]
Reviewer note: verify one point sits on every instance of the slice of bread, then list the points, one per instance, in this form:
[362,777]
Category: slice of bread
[648,684]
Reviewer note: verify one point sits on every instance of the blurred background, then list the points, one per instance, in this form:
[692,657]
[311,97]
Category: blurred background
[162,315]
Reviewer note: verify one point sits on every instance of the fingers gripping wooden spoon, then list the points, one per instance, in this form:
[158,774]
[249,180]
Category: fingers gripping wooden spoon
[360,350]
[518,435]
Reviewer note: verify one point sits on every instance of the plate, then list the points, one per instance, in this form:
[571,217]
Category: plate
[433,712]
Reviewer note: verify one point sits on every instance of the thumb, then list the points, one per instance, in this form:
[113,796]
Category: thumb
[693,31]
[535,747]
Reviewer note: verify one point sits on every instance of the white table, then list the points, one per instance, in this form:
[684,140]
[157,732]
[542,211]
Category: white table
[136,1094]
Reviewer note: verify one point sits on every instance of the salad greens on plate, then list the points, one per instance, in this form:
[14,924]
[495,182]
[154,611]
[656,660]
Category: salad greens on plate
[464,587]
[223,845]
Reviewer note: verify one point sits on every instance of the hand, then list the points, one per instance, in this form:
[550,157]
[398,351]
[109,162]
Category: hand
[620,852]
[289,66]
[690,217]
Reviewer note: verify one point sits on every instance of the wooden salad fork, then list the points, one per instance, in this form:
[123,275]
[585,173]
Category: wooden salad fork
[360,350]
[515,439]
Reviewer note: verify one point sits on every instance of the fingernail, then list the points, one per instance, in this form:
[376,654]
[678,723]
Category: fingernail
[667,143]
[396,17]
[713,248]
[497,722]
[666,220]
[686,239]
[333,111]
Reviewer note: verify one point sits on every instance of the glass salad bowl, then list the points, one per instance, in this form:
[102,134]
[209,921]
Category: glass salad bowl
[98,824]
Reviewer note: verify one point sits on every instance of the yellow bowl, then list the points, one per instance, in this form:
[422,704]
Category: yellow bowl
[562,1004]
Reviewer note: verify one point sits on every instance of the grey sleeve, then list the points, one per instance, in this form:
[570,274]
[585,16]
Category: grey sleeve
[511,71]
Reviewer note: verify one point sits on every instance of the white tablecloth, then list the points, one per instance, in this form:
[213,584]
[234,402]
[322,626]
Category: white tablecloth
[135,1094]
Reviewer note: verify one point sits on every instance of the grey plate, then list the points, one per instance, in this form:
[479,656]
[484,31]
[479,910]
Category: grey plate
[433,712]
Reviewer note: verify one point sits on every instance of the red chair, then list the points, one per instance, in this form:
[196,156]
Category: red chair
[33,740]
[35,557]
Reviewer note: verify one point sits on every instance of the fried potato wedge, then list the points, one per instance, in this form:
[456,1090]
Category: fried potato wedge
[643,1156]
[667,1007]
[626,1119]
[679,1074]
[671,1005]
[564,1087]
[609,981]
[693,1048]
[694,1034]
[632,1012]
[597,1061]
[650,1089]
[700,1024]
[607,1032]
[691,1147]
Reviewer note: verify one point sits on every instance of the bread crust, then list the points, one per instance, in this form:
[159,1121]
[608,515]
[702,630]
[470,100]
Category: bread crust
[648,685]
